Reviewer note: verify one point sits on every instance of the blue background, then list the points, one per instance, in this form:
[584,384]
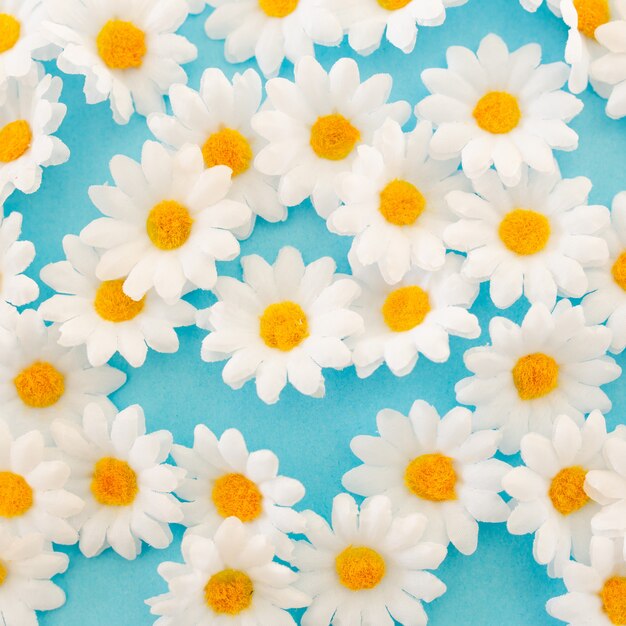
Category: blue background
[500,583]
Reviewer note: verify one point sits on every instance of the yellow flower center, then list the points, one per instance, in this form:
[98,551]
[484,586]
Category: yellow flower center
[121,45]
[113,305]
[591,15]
[535,375]
[432,477]
[229,592]
[524,232]
[16,495]
[235,495]
[393,5]
[228,147]
[278,8]
[114,482]
[401,203]
[169,225]
[3,573]
[40,385]
[497,112]
[333,137]
[15,140]
[283,325]
[9,31]
[613,596]
[619,270]
[567,490]
[405,308]
[359,568]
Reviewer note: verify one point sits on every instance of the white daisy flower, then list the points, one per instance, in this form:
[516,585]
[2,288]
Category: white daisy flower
[417,315]
[99,315]
[552,364]
[217,119]
[394,202]
[368,568]
[272,30]
[499,108]
[126,49]
[41,380]
[32,489]
[167,221]
[228,578]
[549,494]
[225,480]
[435,466]
[120,472]
[596,593]
[30,112]
[15,257]
[27,565]
[532,239]
[285,321]
[315,125]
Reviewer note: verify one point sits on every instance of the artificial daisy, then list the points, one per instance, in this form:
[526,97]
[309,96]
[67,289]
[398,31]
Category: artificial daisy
[30,112]
[227,578]
[121,474]
[272,30]
[499,108]
[596,593]
[285,321]
[532,239]
[15,256]
[549,495]
[435,466]
[32,489]
[416,315]
[217,119]
[225,480]
[127,49]
[552,364]
[41,380]
[101,316]
[27,565]
[369,567]
[315,124]
[394,202]
[167,221]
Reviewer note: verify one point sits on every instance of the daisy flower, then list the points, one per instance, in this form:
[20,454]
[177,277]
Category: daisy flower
[166,222]
[418,314]
[315,124]
[368,568]
[15,256]
[126,49]
[272,30]
[41,380]
[27,565]
[532,239]
[596,593]
[285,321]
[499,108]
[435,466]
[99,315]
[32,494]
[217,119]
[227,578]
[30,112]
[121,473]
[225,480]
[552,364]
[394,202]
[549,494]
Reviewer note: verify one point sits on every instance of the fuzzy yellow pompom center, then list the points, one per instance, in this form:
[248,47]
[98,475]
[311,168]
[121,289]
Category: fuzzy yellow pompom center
[401,203]
[16,495]
[567,490]
[405,308]
[591,15]
[40,385]
[283,325]
[278,8]
[114,482]
[618,270]
[229,592]
[169,225]
[10,29]
[121,45]
[113,305]
[359,568]
[524,231]
[333,137]
[15,140]
[432,477]
[393,5]
[235,495]
[228,147]
[535,375]
[4,572]
[497,112]
[613,596]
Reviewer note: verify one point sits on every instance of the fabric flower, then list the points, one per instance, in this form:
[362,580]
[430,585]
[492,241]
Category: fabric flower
[15,257]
